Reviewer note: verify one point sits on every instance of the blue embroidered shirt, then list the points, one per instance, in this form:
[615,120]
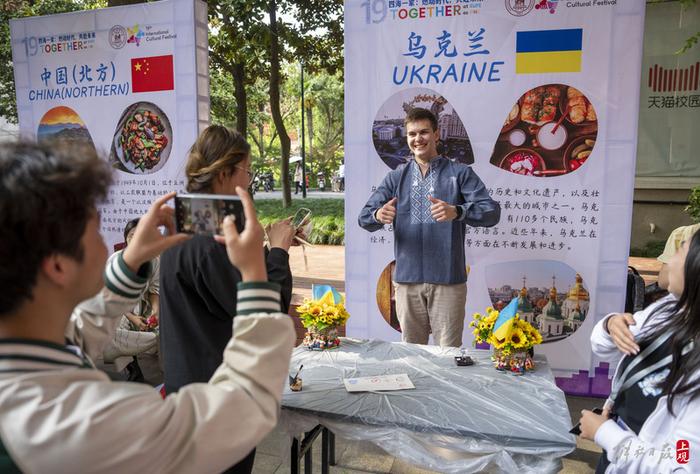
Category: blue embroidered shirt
[428,251]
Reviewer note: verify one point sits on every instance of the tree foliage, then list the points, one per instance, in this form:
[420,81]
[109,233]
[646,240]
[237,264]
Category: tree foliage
[252,42]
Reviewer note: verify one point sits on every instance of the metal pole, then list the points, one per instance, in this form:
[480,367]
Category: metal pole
[303,141]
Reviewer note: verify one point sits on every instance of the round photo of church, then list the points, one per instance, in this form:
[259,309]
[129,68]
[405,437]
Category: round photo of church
[551,295]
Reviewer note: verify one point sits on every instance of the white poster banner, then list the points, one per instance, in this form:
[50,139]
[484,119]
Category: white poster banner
[541,99]
[132,81]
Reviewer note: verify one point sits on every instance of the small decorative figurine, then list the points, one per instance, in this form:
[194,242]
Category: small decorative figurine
[500,363]
[529,364]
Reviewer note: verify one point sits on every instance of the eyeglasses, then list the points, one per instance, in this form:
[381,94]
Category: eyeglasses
[247,170]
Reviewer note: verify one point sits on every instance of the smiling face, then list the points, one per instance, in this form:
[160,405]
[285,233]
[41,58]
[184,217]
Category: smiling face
[422,140]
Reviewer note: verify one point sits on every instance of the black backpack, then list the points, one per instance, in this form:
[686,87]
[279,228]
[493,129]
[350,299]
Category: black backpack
[634,298]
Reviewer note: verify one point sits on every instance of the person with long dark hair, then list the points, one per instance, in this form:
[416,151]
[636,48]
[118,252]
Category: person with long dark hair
[651,422]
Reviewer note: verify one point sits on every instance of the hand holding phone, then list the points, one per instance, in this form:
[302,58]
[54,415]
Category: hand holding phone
[280,234]
[244,249]
[576,430]
[204,213]
[301,218]
[302,225]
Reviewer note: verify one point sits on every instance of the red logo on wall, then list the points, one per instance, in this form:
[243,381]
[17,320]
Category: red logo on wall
[674,80]
[682,451]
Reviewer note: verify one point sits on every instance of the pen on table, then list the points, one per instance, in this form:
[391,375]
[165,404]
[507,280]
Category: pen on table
[298,371]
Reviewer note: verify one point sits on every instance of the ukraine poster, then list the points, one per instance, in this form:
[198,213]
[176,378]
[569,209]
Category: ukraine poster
[541,99]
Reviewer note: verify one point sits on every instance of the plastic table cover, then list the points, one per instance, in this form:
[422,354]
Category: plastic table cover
[457,419]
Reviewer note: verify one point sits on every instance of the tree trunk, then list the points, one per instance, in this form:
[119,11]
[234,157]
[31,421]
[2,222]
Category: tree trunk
[238,73]
[285,142]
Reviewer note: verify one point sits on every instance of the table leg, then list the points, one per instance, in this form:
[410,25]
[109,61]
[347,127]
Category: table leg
[331,447]
[302,447]
[308,466]
[295,466]
[325,451]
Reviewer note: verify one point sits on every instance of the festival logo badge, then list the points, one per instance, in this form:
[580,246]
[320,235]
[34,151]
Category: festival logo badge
[519,7]
[151,74]
[117,37]
[547,5]
[135,35]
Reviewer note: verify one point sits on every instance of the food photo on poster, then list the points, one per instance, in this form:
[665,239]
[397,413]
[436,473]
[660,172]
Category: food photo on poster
[550,131]
[142,139]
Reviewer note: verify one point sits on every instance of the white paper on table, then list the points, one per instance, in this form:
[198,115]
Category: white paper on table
[378,382]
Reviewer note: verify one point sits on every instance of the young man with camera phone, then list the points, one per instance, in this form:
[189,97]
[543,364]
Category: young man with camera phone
[60,414]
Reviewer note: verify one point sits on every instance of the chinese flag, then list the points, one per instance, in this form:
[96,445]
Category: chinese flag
[151,74]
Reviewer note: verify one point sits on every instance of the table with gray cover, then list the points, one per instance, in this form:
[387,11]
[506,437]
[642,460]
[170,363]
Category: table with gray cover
[457,419]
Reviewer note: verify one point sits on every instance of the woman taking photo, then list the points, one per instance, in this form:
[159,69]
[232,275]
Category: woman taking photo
[651,422]
[197,282]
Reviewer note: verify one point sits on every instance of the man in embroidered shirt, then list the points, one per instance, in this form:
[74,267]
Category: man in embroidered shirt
[429,201]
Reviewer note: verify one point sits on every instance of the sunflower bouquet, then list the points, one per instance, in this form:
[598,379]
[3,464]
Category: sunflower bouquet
[511,351]
[322,316]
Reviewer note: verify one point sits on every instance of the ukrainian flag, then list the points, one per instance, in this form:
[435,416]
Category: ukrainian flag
[504,322]
[548,51]
[325,294]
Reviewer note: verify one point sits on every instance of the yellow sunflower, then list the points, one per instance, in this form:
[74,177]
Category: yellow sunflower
[517,338]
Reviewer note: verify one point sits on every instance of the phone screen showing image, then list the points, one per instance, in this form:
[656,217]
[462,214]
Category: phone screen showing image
[301,218]
[204,213]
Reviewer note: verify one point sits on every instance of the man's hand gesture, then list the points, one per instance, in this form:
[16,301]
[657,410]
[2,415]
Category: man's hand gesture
[441,211]
[387,212]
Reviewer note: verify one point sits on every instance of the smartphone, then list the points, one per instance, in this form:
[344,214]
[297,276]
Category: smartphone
[204,213]
[301,217]
[576,430]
